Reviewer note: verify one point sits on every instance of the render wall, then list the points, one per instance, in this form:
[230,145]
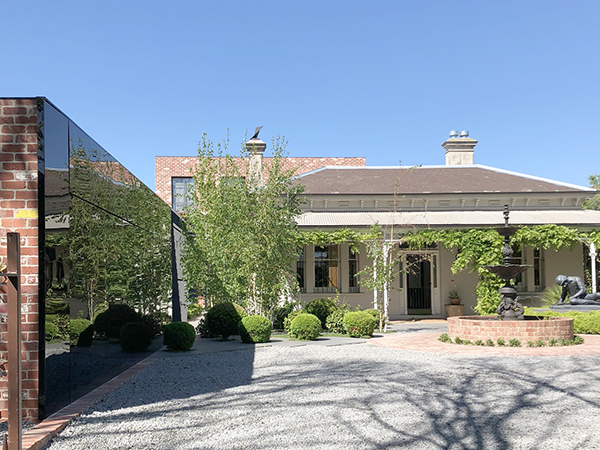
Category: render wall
[19,213]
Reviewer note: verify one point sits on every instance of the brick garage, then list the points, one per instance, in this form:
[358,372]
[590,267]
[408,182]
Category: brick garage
[167,167]
[19,213]
[487,327]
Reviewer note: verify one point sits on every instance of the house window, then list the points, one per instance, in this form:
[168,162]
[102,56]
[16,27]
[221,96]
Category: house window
[326,268]
[517,258]
[179,192]
[300,265]
[352,271]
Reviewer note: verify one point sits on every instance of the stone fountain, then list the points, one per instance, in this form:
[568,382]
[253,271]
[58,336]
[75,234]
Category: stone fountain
[509,308]
[509,323]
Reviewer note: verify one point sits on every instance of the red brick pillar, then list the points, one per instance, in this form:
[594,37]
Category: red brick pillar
[19,213]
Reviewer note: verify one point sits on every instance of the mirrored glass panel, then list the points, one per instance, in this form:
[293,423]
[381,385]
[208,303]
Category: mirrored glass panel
[108,262]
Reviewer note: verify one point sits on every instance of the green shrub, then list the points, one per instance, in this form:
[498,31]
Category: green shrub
[553,342]
[501,342]
[287,322]
[479,342]
[540,343]
[202,330]
[57,306]
[281,312]
[62,322]
[305,327]
[578,340]
[489,343]
[335,321]
[110,321]
[51,331]
[551,295]
[445,338]
[530,344]
[583,322]
[321,307]
[223,319]
[86,337]
[194,309]
[78,326]
[359,324]
[179,336]
[586,322]
[376,315]
[156,321]
[255,329]
[566,342]
[458,340]
[514,343]
[135,337]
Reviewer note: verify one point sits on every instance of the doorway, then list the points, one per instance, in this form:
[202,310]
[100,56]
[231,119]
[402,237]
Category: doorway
[418,284]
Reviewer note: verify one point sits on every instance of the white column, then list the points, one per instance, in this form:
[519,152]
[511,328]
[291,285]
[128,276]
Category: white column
[374,278]
[386,252]
[593,255]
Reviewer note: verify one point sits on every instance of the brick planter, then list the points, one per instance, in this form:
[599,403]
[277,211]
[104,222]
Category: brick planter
[532,329]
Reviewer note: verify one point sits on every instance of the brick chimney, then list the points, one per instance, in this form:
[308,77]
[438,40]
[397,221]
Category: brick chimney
[459,150]
[256,148]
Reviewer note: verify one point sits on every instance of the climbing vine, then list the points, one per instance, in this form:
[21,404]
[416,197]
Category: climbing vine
[339,236]
[476,248]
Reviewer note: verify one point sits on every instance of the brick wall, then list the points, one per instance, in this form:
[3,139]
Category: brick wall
[484,328]
[167,167]
[19,213]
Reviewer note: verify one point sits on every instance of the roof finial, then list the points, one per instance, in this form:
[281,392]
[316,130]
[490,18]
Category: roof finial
[256,133]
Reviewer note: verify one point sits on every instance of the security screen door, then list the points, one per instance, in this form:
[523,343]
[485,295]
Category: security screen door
[418,284]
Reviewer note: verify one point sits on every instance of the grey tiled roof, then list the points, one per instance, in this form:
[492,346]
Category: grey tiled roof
[429,179]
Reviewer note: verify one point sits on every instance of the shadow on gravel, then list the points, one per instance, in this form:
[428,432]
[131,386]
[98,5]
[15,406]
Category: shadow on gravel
[440,403]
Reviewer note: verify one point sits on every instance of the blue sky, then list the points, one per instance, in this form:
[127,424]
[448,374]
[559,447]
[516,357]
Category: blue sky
[383,79]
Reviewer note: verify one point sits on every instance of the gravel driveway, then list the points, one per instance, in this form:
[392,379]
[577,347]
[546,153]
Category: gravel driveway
[348,397]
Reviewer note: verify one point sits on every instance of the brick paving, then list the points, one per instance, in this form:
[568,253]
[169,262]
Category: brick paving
[429,342]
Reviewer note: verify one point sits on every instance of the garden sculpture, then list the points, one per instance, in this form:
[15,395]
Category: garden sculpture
[574,289]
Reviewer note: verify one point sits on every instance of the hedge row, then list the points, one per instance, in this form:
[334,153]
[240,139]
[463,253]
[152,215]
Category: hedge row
[583,322]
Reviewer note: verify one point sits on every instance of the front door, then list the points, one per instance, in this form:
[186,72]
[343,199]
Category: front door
[418,284]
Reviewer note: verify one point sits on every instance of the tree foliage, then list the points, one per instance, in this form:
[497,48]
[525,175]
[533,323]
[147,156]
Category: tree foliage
[118,236]
[594,202]
[243,242]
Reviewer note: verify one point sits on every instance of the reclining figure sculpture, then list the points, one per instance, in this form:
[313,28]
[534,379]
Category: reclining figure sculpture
[574,289]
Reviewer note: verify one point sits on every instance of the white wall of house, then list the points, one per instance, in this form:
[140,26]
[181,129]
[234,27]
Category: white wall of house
[550,263]
[566,262]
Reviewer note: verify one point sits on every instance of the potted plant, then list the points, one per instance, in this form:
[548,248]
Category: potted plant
[453,296]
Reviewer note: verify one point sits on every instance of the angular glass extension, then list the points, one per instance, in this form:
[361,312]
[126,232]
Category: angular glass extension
[107,240]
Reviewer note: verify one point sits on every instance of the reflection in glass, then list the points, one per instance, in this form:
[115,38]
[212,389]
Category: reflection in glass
[108,241]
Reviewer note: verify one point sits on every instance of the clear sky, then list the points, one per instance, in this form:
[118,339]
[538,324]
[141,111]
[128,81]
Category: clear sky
[386,80]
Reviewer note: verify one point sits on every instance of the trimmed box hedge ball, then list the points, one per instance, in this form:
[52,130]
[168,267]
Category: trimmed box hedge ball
[255,329]
[305,327]
[359,324]
[76,328]
[321,307]
[110,321]
[135,337]
[179,336]
[223,319]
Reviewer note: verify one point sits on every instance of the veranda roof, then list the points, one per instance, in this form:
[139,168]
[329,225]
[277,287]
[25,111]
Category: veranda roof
[450,219]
